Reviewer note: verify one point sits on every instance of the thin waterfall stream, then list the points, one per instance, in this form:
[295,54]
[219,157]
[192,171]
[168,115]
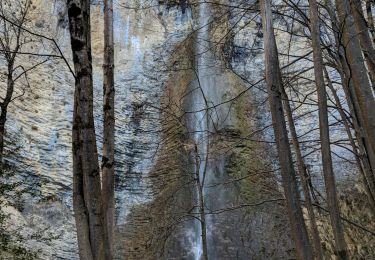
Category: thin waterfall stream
[207,118]
[199,125]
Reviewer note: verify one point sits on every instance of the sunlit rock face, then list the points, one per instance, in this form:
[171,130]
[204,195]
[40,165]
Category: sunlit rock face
[158,63]
[149,38]
[180,92]
[43,115]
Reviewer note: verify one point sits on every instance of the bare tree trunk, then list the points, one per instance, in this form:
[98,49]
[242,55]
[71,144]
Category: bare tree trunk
[80,209]
[4,109]
[108,160]
[360,154]
[364,37]
[366,153]
[274,81]
[86,174]
[365,150]
[3,118]
[361,95]
[202,216]
[202,213]
[329,177]
[11,42]
[7,99]
[370,19]
[303,175]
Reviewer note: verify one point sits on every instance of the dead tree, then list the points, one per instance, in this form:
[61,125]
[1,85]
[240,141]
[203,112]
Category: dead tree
[274,81]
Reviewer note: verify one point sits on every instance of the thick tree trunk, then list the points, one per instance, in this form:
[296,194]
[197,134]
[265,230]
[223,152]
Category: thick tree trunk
[329,177]
[86,175]
[364,37]
[274,81]
[79,206]
[108,161]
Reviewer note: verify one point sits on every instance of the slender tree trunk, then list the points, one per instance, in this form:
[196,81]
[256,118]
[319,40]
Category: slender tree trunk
[329,177]
[364,37]
[202,216]
[350,67]
[274,81]
[3,118]
[202,213]
[4,105]
[108,160]
[370,19]
[303,175]
[367,155]
[86,174]
[360,154]
[12,40]
[361,94]
[199,183]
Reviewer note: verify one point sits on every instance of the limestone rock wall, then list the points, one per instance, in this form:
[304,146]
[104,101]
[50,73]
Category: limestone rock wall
[158,61]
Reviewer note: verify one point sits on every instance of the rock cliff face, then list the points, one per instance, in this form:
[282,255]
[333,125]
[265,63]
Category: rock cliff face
[180,95]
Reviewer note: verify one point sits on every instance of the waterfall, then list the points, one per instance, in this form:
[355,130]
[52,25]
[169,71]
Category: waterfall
[198,123]
[209,90]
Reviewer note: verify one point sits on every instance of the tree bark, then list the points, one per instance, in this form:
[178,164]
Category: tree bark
[274,81]
[364,38]
[318,252]
[361,93]
[2,135]
[329,177]
[7,99]
[86,174]
[358,149]
[366,153]
[4,108]
[370,19]
[201,204]
[108,160]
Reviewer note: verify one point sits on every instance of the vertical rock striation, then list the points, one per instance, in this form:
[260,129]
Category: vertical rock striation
[179,84]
